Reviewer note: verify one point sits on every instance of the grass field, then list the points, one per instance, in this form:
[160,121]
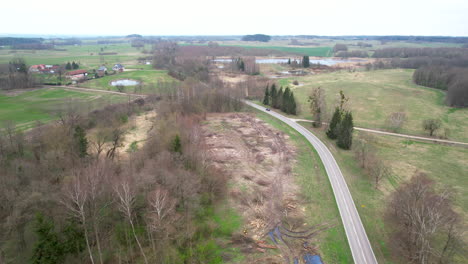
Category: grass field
[87,55]
[447,165]
[42,104]
[310,175]
[375,94]
[152,81]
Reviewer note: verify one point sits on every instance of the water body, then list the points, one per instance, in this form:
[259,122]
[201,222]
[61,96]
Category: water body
[328,62]
[124,82]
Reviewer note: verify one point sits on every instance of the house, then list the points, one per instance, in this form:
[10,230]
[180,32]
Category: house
[42,68]
[101,71]
[77,75]
[118,68]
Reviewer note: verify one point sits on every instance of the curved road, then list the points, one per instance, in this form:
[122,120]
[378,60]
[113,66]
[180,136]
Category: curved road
[355,232]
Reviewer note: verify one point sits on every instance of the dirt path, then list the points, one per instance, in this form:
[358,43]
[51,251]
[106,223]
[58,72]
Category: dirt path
[137,132]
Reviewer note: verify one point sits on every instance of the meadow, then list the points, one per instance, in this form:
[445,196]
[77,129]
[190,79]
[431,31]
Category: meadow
[446,165]
[41,105]
[152,81]
[373,95]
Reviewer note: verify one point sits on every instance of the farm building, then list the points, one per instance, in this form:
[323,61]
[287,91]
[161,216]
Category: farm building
[42,68]
[101,71]
[77,75]
[118,67]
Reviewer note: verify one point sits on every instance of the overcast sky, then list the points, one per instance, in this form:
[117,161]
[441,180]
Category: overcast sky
[238,17]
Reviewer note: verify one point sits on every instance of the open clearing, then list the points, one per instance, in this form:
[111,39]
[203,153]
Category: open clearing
[31,106]
[447,165]
[276,180]
[152,81]
[375,94]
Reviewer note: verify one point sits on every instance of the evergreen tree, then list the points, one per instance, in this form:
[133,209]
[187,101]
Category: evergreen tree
[68,66]
[274,95]
[75,65]
[81,142]
[289,61]
[292,104]
[48,249]
[279,101]
[345,132]
[266,99]
[305,62]
[285,101]
[332,131]
[242,65]
[74,239]
[177,145]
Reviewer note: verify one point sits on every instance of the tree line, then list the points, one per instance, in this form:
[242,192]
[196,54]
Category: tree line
[72,66]
[453,80]
[280,99]
[444,52]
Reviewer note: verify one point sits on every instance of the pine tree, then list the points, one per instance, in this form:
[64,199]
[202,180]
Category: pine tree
[292,104]
[332,132]
[279,100]
[74,239]
[266,99]
[68,66]
[274,95]
[305,62]
[289,61]
[81,142]
[48,249]
[345,132]
[285,101]
[177,145]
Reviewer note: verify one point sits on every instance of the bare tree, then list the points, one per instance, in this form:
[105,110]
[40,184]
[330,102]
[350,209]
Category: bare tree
[432,125]
[99,142]
[419,215]
[75,199]
[126,195]
[317,105]
[379,171]
[396,120]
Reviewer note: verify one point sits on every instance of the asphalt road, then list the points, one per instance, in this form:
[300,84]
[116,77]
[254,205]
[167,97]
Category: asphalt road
[355,232]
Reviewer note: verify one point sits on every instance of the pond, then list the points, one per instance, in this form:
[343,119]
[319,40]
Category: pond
[125,82]
[328,62]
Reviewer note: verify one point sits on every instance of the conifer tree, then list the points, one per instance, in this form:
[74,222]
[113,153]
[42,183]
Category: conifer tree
[81,142]
[274,95]
[68,66]
[279,100]
[266,98]
[48,249]
[345,132]
[292,104]
[289,61]
[286,101]
[177,145]
[305,62]
[332,131]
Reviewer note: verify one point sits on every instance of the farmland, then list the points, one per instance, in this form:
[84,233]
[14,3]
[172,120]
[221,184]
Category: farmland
[42,105]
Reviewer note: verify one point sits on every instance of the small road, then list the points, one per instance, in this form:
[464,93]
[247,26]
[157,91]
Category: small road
[96,90]
[433,140]
[355,232]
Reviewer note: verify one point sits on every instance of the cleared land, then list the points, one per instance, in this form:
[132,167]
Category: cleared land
[152,81]
[375,94]
[447,165]
[28,106]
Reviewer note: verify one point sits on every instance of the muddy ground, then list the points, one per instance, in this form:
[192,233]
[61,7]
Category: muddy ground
[262,189]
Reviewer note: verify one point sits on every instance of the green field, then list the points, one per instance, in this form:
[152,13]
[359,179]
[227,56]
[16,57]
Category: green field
[152,81]
[447,165]
[321,206]
[43,104]
[87,55]
[375,94]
